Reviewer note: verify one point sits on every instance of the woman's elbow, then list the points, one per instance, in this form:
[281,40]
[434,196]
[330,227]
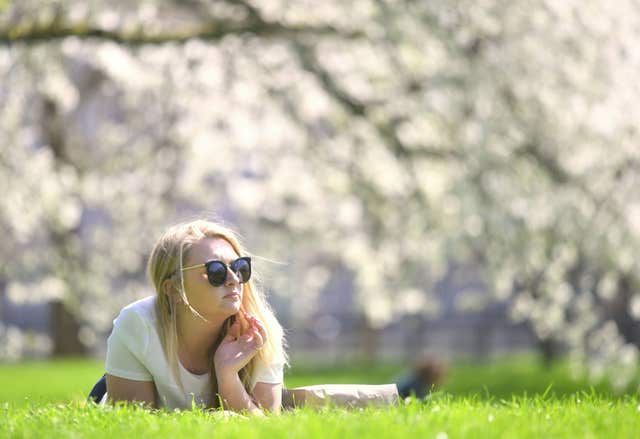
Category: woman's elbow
[268,397]
[121,389]
[269,404]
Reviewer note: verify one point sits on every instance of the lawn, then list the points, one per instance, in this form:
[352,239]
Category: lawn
[508,398]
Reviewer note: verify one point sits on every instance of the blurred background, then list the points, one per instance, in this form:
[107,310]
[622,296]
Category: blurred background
[458,179]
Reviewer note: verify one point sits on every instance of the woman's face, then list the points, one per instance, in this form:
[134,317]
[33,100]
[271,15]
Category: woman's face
[212,302]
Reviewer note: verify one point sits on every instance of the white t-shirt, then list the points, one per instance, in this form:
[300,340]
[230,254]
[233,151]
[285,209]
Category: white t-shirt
[134,352]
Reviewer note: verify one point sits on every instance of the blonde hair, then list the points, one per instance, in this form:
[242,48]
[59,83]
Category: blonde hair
[167,259]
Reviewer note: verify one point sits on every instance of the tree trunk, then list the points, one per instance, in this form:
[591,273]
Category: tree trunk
[64,331]
[369,337]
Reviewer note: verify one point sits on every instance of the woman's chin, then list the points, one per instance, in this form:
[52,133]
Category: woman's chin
[232,307]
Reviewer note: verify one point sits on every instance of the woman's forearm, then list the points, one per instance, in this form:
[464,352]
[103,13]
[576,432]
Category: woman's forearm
[233,394]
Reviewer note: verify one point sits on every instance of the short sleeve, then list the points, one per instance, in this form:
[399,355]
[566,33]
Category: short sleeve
[126,347]
[272,373]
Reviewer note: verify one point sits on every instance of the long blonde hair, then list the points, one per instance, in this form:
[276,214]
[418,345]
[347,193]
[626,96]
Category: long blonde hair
[166,261]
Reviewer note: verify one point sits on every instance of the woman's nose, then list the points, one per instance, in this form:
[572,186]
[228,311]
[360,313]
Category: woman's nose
[232,278]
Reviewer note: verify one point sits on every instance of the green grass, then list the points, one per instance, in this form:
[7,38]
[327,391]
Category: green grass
[524,375]
[514,397]
[48,381]
[443,416]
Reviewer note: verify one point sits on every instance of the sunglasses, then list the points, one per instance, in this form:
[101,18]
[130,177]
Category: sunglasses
[217,270]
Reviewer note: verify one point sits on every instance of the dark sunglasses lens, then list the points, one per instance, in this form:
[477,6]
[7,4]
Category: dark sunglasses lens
[217,273]
[242,266]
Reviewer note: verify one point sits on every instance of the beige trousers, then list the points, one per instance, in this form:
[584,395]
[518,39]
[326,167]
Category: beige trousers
[343,395]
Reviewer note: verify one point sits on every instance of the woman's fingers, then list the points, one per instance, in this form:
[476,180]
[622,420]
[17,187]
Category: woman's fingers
[234,330]
[251,330]
[244,322]
[258,339]
[252,338]
[261,328]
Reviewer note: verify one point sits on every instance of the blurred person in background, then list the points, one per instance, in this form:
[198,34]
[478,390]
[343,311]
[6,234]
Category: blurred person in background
[427,372]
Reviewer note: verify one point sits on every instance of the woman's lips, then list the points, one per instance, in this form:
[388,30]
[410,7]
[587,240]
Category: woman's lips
[232,295]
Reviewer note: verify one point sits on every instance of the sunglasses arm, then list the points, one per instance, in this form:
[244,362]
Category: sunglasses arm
[193,266]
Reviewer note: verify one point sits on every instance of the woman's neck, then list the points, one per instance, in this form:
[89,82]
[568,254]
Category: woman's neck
[196,339]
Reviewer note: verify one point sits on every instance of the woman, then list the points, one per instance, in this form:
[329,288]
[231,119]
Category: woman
[207,336]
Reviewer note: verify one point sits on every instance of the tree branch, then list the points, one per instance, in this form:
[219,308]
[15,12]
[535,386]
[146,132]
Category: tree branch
[213,30]
[546,162]
[386,128]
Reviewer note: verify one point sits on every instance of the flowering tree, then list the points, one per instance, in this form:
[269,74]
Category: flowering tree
[385,137]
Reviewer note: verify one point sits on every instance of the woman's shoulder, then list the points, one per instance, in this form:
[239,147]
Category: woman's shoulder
[135,325]
[139,312]
[142,306]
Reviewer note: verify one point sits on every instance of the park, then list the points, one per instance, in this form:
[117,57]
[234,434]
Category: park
[264,196]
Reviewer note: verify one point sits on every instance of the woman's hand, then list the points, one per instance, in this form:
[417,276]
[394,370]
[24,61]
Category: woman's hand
[236,349]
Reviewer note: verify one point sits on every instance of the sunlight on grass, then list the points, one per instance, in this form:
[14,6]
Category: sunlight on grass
[514,397]
[580,415]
